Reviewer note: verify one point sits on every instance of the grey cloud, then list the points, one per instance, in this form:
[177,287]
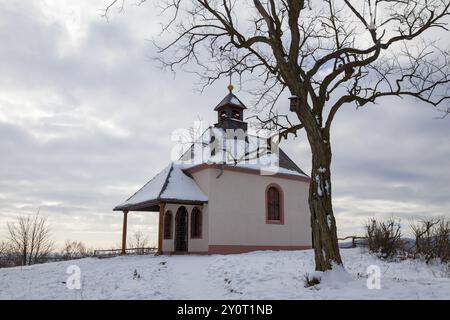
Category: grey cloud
[82,127]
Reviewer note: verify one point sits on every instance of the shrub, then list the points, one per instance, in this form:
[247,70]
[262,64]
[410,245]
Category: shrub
[384,237]
[432,239]
[442,240]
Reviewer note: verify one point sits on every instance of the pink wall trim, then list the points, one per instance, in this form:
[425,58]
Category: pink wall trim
[172,253]
[234,249]
[230,249]
[249,171]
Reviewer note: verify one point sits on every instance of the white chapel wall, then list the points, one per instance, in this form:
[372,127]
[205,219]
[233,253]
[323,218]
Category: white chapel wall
[237,209]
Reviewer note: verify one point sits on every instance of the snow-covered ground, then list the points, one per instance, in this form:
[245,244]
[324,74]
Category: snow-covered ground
[258,275]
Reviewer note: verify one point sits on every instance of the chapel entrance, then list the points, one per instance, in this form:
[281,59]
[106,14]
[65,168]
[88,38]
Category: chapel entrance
[181,225]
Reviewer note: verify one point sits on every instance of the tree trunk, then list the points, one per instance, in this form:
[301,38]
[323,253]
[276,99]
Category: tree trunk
[323,223]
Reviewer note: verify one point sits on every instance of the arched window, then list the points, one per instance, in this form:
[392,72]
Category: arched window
[168,225]
[274,204]
[196,223]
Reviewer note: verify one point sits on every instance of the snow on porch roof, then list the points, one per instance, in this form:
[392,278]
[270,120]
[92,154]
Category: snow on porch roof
[170,185]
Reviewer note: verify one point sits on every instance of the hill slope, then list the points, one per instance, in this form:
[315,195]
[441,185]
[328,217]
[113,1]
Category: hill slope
[259,275]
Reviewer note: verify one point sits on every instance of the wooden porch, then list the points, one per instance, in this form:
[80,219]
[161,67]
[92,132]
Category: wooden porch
[151,207]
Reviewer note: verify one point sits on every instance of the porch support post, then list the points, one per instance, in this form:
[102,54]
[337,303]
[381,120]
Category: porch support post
[162,205]
[124,231]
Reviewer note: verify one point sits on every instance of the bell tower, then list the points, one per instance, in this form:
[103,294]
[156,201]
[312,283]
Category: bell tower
[230,112]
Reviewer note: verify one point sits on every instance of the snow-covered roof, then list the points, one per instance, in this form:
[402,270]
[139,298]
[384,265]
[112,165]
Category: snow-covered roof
[213,147]
[230,99]
[250,152]
[181,187]
[170,185]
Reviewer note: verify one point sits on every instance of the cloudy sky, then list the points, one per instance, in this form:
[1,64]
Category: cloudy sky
[86,118]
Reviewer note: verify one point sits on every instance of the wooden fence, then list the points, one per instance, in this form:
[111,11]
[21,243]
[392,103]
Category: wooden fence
[117,252]
[354,238]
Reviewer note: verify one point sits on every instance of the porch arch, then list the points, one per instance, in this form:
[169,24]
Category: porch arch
[181,230]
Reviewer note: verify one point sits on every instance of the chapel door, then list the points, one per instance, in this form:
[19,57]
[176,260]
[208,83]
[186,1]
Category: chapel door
[181,226]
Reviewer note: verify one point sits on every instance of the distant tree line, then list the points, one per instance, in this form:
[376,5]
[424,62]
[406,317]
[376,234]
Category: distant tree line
[29,242]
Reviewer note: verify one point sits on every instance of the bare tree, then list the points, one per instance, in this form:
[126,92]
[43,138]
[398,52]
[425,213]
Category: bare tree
[138,241]
[422,231]
[327,54]
[3,248]
[442,236]
[6,256]
[30,238]
[74,250]
[432,239]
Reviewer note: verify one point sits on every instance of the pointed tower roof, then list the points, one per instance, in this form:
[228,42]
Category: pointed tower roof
[230,100]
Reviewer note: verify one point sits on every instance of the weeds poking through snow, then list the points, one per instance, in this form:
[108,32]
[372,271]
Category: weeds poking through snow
[310,281]
[136,275]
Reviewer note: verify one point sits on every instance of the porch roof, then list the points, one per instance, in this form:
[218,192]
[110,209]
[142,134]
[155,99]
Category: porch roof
[171,185]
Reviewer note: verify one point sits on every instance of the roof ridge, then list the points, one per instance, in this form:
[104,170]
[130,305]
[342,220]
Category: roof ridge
[166,182]
[193,143]
[295,165]
[154,177]
[284,161]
